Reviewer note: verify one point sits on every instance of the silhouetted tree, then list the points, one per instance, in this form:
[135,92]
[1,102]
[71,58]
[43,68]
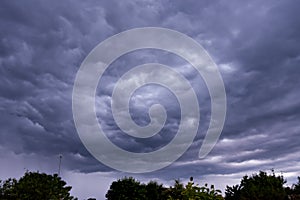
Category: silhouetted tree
[258,187]
[155,191]
[126,189]
[7,189]
[296,189]
[233,193]
[176,191]
[294,192]
[35,185]
[194,192]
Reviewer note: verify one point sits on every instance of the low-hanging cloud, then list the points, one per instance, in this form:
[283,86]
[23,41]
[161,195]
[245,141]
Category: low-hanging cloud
[255,44]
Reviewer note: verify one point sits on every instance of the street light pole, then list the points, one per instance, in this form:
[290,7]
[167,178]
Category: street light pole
[60,157]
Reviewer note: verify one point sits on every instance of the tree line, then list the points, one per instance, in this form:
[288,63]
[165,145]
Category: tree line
[259,186]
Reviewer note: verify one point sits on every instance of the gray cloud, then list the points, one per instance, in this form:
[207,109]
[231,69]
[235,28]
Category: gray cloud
[254,43]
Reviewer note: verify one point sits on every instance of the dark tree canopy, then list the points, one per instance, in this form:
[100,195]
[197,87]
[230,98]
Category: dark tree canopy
[294,192]
[126,189]
[129,188]
[35,185]
[260,186]
[192,191]
[297,187]
[155,191]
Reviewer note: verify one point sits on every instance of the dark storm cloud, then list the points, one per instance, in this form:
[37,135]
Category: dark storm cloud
[41,48]
[266,100]
[254,43]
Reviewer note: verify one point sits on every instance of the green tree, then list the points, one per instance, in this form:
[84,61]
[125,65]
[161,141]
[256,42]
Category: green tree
[294,192]
[126,189]
[260,186]
[194,192]
[7,189]
[35,185]
[175,192]
[233,193]
[155,191]
[296,189]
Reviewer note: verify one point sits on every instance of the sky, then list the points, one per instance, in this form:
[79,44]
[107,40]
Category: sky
[255,45]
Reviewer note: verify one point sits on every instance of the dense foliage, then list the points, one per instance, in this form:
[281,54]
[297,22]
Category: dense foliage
[129,188]
[35,185]
[261,186]
[294,192]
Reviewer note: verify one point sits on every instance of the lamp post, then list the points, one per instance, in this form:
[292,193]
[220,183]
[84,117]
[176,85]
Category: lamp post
[60,157]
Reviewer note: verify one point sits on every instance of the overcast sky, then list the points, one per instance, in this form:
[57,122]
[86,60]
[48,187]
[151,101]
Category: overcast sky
[254,43]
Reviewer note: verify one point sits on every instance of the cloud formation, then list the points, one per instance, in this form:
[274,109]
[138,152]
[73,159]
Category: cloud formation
[255,45]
